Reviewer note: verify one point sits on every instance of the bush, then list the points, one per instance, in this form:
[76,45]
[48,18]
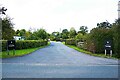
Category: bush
[90,46]
[25,44]
[97,39]
[4,44]
[116,39]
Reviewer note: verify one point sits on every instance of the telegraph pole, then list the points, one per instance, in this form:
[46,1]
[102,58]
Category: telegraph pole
[2,11]
[118,9]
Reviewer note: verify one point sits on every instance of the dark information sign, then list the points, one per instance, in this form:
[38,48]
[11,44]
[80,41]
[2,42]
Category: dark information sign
[108,45]
[11,45]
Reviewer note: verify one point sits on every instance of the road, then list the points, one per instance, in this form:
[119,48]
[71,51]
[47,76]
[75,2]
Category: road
[59,61]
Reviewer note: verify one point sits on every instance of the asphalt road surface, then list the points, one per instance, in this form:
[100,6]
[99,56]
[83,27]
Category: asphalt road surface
[59,61]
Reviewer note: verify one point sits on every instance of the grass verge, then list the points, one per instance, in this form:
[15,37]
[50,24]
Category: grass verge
[22,52]
[63,43]
[90,53]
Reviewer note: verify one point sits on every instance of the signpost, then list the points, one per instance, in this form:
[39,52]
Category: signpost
[11,46]
[108,48]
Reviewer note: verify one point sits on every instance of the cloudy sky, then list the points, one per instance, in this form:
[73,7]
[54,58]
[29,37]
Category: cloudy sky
[54,15]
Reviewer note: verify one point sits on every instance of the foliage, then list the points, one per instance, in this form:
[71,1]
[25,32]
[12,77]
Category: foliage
[116,37]
[28,35]
[83,30]
[41,33]
[65,34]
[52,38]
[79,36]
[7,29]
[22,32]
[97,38]
[4,44]
[56,36]
[72,32]
[104,25]
[17,33]
[37,35]
[64,31]
[70,42]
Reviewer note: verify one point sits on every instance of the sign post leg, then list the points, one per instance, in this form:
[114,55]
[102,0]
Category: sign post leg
[110,52]
[105,51]
[7,50]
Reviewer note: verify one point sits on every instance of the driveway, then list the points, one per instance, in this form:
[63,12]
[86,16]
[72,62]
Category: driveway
[59,61]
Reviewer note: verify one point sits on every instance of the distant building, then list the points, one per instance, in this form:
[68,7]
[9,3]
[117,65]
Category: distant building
[118,9]
[19,37]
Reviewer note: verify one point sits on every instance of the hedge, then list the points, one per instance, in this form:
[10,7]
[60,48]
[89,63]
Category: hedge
[70,42]
[25,44]
[116,39]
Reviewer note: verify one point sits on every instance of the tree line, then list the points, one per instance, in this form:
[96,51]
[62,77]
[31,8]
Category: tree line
[94,40]
[8,32]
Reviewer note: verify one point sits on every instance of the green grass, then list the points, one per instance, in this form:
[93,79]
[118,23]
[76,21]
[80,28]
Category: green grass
[22,52]
[63,43]
[90,53]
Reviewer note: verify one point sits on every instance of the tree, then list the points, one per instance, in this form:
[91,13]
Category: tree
[37,35]
[52,38]
[65,34]
[104,25]
[41,33]
[7,29]
[80,37]
[116,37]
[28,34]
[55,34]
[22,32]
[17,33]
[72,32]
[83,29]
[64,31]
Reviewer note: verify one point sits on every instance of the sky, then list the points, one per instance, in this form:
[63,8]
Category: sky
[56,15]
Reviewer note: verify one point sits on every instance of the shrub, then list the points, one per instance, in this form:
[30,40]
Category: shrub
[89,45]
[116,38]
[97,39]
[4,44]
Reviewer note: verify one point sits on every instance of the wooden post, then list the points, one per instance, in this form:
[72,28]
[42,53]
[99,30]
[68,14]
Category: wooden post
[110,52]
[7,50]
[105,51]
